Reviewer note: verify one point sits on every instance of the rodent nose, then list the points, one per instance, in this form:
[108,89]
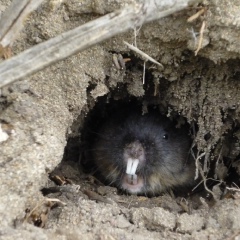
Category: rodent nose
[134,156]
[135,150]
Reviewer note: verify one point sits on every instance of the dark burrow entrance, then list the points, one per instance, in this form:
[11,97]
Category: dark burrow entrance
[217,165]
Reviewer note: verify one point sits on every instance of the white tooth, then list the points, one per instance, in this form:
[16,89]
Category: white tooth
[129,165]
[134,180]
[129,178]
[134,167]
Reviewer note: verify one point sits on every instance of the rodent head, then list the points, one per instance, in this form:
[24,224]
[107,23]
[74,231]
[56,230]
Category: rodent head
[144,155]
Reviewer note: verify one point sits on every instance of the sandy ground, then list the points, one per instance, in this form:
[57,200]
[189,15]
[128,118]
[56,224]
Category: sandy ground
[46,112]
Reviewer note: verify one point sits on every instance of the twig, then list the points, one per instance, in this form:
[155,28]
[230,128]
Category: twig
[200,170]
[233,189]
[55,200]
[196,15]
[143,54]
[197,162]
[216,180]
[13,18]
[80,38]
[200,42]
[144,69]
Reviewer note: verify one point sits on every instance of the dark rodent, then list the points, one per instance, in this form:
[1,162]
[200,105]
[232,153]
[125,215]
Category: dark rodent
[162,152]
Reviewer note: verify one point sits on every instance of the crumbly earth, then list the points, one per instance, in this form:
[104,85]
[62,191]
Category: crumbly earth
[42,115]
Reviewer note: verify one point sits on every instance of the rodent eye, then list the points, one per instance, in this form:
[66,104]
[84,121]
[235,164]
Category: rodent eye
[165,136]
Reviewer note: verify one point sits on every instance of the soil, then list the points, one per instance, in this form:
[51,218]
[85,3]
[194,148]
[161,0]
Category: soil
[46,194]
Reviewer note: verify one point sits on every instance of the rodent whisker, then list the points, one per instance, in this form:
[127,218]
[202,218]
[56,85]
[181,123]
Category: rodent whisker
[98,149]
[101,135]
[168,170]
[187,158]
[112,172]
[166,150]
[116,181]
[145,184]
[111,183]
[102,158]
[151,190]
